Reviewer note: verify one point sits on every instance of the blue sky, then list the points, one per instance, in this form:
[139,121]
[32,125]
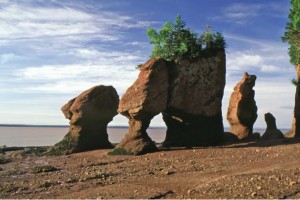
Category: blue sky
[52,50]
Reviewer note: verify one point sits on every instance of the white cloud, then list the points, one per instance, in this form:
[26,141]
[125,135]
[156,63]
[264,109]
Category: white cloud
[113,57]
[259,56]
[270,68]
[23,21]
[76,78]
[242,13]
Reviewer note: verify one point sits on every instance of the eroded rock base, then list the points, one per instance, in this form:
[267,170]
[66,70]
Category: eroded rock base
[136,141]
[193,131]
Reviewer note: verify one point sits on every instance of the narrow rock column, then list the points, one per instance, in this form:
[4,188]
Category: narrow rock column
[143,100]
[297,104]
[291,132]
[242,109]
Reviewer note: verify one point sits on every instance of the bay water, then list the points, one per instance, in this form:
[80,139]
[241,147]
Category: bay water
[22,136]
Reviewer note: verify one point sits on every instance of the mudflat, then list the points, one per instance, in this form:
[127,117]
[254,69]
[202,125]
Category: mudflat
[261,169]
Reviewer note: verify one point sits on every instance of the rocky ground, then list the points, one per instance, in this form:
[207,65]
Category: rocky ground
[265,169]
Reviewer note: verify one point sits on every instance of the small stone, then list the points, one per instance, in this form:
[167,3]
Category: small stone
[253,194]
[258,187]
[168,173]
[293,183]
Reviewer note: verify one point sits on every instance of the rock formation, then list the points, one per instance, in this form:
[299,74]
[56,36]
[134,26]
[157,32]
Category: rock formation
[230,138]
[193,115]
[189,94]
[143,100]
[89,114]
[291,132]
[271,132]
[297,104]
[242,109]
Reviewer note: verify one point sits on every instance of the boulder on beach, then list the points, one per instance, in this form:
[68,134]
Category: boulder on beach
[89,114]
[271,132]
[143,100]
[242,109]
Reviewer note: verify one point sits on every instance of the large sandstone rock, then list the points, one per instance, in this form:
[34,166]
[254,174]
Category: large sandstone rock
[291,132]
[297,104]
[89,114]
[271,132]
[188,94]
[193,115]
[242,109]
[143,100]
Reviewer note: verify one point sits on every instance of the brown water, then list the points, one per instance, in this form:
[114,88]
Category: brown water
[47,136]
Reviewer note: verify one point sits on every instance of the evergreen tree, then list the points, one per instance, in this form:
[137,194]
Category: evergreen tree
[176,42]
[292,36]
[292,33]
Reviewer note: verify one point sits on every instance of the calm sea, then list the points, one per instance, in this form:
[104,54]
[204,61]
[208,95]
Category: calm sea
[48,136]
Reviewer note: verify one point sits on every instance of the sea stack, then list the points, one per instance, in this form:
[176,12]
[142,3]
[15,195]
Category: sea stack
[188,94]
[143,100]
[193,116]
[89,114]
[242,109]
[271,132]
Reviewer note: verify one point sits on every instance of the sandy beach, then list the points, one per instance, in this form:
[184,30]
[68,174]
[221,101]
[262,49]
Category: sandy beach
[262,169]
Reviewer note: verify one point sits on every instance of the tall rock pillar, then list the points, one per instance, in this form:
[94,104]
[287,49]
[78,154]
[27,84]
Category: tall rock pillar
[242,109]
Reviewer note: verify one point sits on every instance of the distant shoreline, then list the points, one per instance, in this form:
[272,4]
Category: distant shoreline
[62,126]
[151,127]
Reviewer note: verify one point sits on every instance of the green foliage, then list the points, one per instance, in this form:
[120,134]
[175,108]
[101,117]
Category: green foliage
[120,151]
[294,82]
[64,147]
[211,42]
[176,42]
[139,66]
[38,151]
[292,33]
[4,160]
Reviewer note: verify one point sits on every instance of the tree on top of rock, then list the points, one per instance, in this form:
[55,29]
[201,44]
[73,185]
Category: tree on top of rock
[292,36]
[176,42]
[292,33]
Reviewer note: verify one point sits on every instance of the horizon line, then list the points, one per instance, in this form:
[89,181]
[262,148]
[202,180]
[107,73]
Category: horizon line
[113,126]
